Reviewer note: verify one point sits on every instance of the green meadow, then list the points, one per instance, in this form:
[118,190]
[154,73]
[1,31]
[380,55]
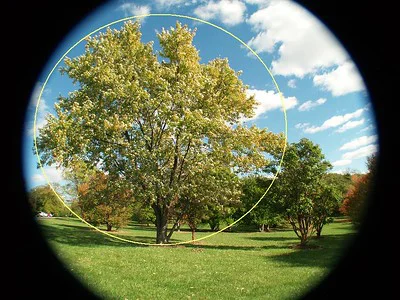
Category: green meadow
[229,265]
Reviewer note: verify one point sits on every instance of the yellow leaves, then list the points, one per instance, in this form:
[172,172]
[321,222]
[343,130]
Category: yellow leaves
[107,124]
[145,114]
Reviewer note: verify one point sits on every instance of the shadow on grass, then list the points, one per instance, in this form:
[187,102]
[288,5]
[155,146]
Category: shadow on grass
[235,247]
[329,249]
[80,235]
[270,238]
[75,235]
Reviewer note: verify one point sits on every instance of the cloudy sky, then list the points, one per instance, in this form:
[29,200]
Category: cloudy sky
[325,97]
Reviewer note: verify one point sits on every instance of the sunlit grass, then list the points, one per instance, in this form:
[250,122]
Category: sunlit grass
[230,265]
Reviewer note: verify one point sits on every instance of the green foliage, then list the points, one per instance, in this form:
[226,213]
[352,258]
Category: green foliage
[296,188]
[341,183]
[155,124]
[75,207]
[219,215]
[43,199]
[326,203]
[265,214]
[207,194]
[142,213]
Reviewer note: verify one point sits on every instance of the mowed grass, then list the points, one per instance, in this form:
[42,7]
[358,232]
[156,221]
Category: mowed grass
[230,265]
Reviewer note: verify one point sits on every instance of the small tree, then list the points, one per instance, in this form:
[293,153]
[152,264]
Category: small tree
[195,214]
[202,198]
[296,188]
[105,201]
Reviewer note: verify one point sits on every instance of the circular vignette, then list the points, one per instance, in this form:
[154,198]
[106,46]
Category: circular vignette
[136,17]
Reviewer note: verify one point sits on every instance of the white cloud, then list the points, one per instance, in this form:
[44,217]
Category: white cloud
[229,12]
[335,121]
[131,9]
[292,83]
[358,142]
[343,80]
[170,3]
[42,110]
[341,162]
[304,44]
[269,100]
[349,125]
[369,127]
[53,173]
[364,151]
[361,152]
[311,104]
[35,97]
[301,125]
[38,178]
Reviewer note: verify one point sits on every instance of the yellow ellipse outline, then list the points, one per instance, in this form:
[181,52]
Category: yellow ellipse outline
[158,15]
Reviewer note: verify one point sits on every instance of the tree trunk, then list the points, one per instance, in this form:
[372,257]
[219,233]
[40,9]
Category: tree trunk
[318,231]
[304,228]
[267,228]
[193,234]
[262,226]
[161,213]
[303,240]
[109,227]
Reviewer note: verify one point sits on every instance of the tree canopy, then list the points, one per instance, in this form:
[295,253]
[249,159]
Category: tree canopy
[43,199]
[156,120]
[298,190]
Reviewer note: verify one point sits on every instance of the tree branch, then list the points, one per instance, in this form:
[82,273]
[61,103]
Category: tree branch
[176,160]
[144,134]
[183,160]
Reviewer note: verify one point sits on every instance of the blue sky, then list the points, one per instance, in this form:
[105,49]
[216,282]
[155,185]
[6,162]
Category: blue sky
[324,95]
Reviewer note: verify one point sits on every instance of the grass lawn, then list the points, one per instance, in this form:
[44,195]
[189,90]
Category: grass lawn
[230,265]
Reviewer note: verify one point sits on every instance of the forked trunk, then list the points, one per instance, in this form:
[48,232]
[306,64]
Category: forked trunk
[303,240]
[161,223]
[303,228]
